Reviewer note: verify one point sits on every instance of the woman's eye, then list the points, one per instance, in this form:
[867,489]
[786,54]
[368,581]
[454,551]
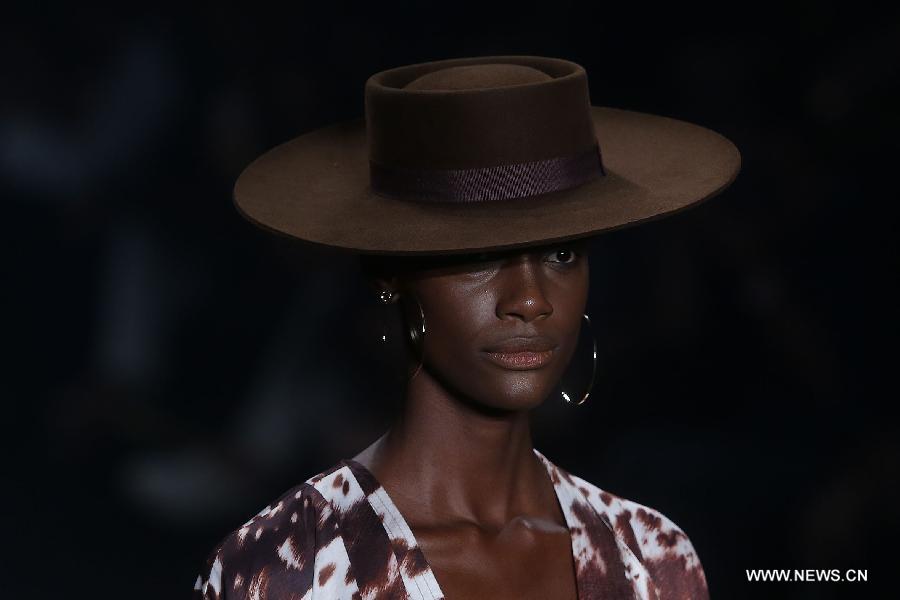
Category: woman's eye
[564,256]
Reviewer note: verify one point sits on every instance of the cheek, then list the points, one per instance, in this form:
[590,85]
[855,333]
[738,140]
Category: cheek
[455,324]
[453,329]
[572,302]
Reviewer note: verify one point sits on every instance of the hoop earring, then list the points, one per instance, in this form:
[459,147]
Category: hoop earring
[590,385]
[386,297]
[415,327]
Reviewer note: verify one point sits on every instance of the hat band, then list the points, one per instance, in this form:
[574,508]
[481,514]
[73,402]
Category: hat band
[480,184]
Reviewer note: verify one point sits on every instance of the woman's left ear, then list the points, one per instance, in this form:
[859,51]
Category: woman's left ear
[381,284]
[385,289]
[379,280]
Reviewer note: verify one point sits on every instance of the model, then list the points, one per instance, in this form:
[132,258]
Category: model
[470,191]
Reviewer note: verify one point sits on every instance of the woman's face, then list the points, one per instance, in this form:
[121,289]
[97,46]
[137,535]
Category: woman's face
[482,311]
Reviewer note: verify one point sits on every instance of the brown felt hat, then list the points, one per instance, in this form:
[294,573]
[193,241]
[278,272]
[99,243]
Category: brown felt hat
[485,153]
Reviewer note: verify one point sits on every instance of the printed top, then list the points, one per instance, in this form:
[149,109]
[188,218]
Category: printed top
[339,536]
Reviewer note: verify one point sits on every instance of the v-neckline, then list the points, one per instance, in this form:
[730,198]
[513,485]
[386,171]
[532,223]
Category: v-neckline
[395,521]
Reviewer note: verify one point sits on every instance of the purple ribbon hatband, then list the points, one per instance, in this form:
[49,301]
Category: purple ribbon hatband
[487,183]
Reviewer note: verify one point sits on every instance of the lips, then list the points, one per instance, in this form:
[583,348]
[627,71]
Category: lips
[537,343]
[521,353]
[520,361]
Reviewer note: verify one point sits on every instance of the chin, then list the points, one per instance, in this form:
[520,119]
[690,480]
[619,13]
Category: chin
[496,390]
[517,395]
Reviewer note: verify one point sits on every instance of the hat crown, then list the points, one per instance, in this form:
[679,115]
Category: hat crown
[478,113]
[470,77]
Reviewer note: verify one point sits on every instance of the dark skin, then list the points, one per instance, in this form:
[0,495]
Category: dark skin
[458,462]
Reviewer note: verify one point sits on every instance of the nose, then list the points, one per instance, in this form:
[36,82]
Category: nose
[521,294]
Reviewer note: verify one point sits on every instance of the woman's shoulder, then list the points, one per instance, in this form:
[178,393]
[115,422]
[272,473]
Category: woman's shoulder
[280,542]
[654,539]
[654,532]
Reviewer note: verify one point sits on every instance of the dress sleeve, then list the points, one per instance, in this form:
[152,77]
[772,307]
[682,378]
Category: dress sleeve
[673,562]
[271,556]
[209,582]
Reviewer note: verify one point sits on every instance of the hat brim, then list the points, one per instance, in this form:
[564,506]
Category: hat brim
[316,188]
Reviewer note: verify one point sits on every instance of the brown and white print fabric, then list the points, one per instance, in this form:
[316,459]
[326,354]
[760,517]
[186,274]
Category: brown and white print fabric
[339,536]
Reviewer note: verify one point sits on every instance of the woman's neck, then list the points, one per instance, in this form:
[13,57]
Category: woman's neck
[448,460]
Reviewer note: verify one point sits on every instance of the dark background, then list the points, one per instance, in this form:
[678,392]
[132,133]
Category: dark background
[172,369]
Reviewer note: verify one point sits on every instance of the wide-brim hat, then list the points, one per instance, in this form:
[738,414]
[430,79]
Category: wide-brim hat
[476,154]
